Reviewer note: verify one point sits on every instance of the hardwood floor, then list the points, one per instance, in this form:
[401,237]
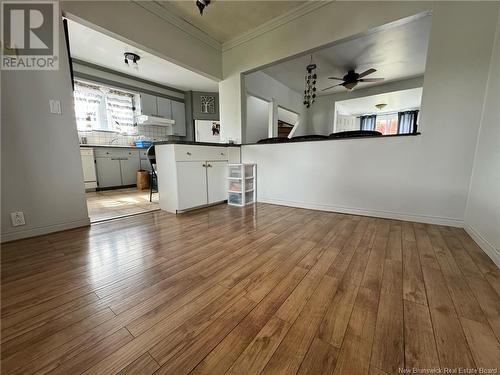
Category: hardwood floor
[111,204]
[263,289]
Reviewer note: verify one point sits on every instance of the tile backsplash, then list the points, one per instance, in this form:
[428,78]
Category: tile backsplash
[153,133]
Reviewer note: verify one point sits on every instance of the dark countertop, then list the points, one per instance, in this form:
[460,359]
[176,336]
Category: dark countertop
[333,139]
[196,143]
[112,146]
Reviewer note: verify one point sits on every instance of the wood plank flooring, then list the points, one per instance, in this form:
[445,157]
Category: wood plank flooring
[260,290]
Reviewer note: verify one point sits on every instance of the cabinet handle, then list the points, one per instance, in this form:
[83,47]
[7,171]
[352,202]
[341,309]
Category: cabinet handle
[188,153]
[209,165]
[222,153]
[204,165]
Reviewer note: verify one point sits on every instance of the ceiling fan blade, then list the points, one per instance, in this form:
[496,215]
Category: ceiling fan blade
[331,87]
[371,80]
[366,72]
[337,78]
[350,85]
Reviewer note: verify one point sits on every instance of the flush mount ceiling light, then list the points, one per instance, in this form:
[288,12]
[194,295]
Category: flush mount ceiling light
[380,106]
[131,59]
[202,4]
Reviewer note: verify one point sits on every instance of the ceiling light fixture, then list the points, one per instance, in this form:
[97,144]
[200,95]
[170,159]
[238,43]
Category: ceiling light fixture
[202,4]
[380,106]
[132,59]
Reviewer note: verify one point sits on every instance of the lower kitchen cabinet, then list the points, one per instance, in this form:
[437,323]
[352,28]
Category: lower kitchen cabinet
[192,184]
[192,176]
[129,167]
[116,167]
[108,172]
[216,181]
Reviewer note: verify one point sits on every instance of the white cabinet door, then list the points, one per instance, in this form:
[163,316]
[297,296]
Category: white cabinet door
[179,115]
[191,184]
[216,181]
[148,105]
[108,172]
[164,107]
[129,168]
[88,166]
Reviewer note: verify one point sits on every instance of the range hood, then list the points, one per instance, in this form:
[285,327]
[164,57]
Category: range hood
[154,120]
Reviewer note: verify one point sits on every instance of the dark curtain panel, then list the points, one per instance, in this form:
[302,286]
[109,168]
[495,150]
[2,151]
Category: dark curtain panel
[407,122]
[368,122]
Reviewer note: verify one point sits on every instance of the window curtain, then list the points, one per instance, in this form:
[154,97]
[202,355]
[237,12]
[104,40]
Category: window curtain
[368,122]
[407,122]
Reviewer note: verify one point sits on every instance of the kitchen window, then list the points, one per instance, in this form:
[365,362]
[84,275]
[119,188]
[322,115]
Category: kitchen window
[100,107]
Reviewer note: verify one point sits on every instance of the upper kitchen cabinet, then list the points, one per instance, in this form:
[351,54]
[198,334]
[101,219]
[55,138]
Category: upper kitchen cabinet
[179,115]
[164,107]
[149,105]
[157,106]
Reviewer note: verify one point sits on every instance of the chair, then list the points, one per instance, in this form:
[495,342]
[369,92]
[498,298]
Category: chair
[153,178]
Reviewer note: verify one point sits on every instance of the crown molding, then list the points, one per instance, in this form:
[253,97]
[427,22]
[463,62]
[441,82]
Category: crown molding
[274,23]
[160,11]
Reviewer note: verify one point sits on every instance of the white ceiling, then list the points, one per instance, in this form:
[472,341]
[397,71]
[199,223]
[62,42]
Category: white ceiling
[396,101]
[397,52]
[226,20]
[92,46]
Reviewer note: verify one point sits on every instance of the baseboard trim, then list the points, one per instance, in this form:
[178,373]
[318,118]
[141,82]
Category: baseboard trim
[12,236]
[484,244]
[363,212]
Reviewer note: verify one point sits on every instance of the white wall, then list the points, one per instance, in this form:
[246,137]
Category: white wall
[257,122]
[423,176]
[41,166]
[128,21]
[482,217]
[268,88]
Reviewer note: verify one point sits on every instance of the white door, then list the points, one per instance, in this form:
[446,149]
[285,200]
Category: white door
[191,184]
[216,181]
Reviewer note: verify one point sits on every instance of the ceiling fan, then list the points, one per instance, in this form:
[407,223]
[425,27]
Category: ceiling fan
[351,79]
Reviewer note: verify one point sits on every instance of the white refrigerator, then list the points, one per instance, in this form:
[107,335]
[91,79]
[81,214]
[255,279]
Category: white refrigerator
[207,131]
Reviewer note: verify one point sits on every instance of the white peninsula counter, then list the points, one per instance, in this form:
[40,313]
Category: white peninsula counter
[193,174]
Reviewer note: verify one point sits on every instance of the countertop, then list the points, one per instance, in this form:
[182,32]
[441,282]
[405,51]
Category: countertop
[196,143]
[112,146]
[332,139]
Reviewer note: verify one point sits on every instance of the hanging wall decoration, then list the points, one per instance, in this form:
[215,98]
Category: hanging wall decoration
[310,84]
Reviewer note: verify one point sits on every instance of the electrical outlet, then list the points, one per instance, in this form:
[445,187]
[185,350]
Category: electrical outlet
[17,218]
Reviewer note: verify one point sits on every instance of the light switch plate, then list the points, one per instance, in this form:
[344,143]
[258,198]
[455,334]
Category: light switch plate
[55,106]
[17,218]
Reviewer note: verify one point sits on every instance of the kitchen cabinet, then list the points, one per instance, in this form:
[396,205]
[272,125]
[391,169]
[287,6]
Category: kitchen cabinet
[191,176]
[192,184]
[156,106]
[129,166]
[179,115]
[216,181]
[108,172]
[88,166]
[164,107]
[149,105]
[116,167]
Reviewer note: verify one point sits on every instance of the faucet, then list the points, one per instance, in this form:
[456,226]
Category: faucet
[113,140]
